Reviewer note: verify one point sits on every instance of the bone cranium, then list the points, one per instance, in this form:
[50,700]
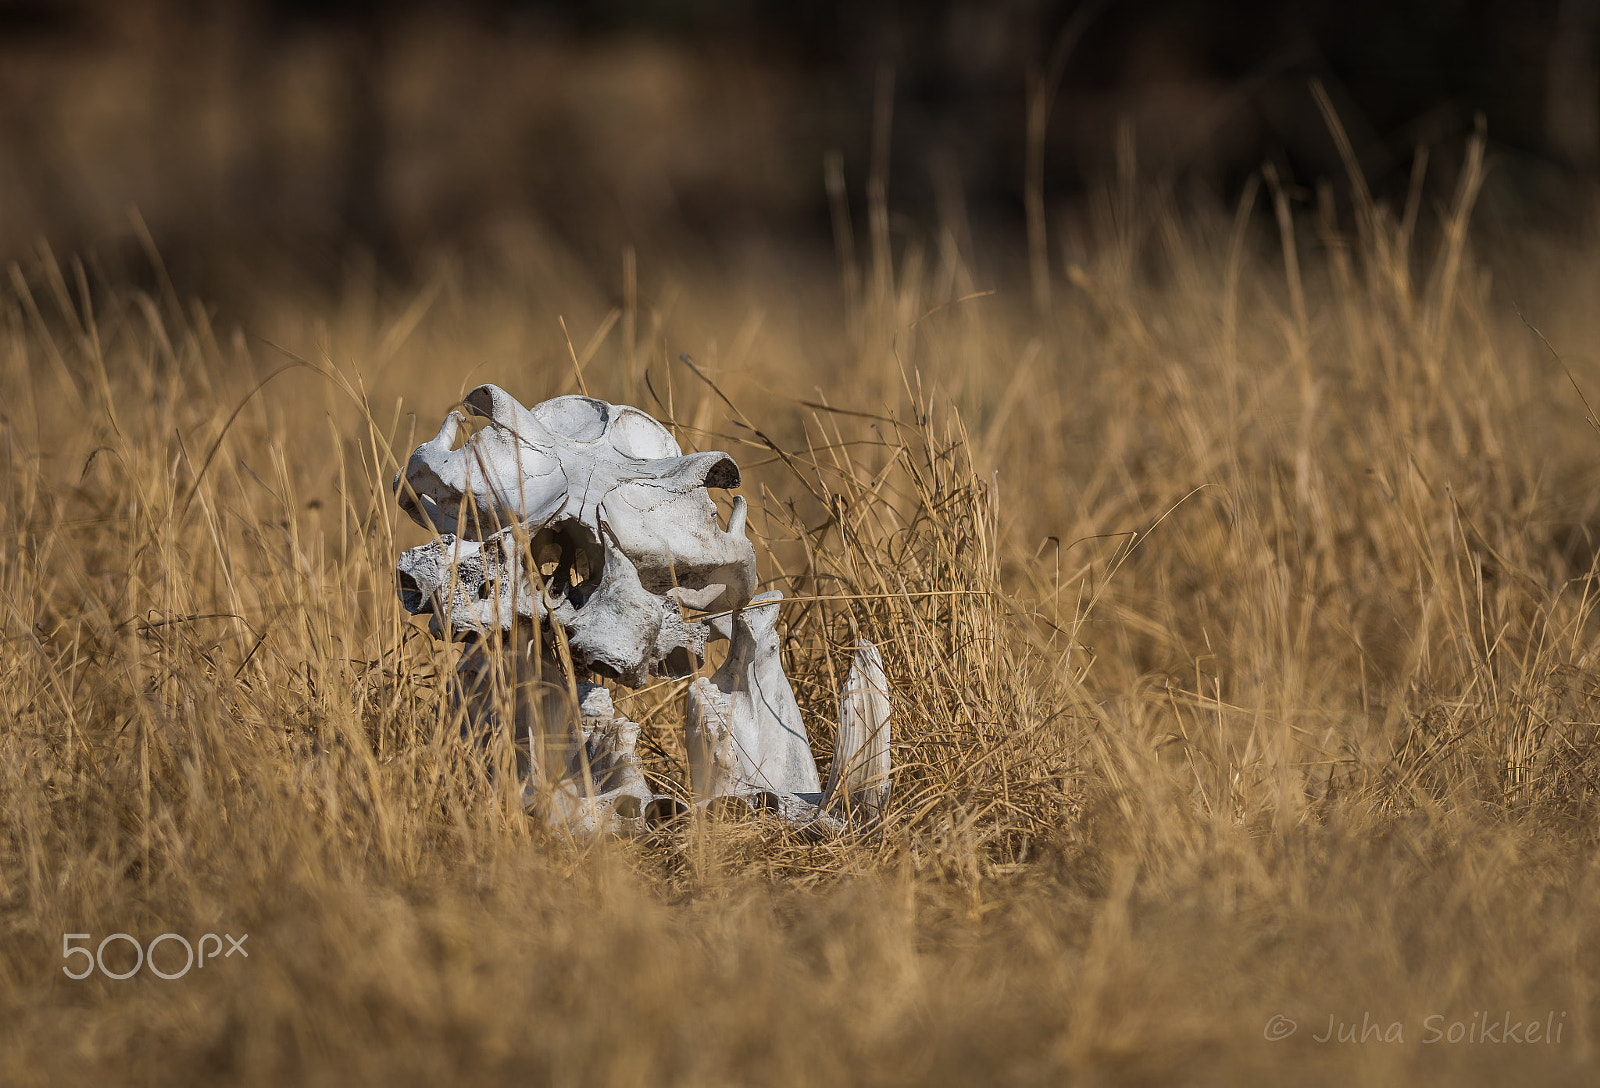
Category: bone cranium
[577,533]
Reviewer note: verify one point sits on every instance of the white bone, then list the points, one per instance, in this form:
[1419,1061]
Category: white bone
[578,531]
[745,729]
[625,632]
[468,586]
[575,477]
[506,480]
[583,459]
[859,778]
[580,775]
[602,788]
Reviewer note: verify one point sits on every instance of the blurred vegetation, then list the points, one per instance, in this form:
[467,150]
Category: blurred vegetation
[296,134]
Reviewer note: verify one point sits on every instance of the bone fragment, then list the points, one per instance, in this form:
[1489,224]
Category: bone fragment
[468,587]
[744,727]
[580,772]
[625,632]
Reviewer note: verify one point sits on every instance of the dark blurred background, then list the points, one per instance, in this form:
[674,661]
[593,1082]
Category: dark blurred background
[296,133]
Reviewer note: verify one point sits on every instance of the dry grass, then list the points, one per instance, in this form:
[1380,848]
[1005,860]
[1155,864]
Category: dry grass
[1240,615]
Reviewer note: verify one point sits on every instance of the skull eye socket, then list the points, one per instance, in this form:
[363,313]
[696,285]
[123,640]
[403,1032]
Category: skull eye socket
[585,564]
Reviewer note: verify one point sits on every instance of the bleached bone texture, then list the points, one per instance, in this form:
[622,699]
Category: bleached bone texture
[859,779]
[745,730]
[578,532]
[601,502]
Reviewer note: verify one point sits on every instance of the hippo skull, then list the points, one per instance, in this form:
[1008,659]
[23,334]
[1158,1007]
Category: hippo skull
[577,533]
[575,516]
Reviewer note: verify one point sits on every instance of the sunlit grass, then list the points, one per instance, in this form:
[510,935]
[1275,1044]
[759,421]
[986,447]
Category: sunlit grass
[1239,613]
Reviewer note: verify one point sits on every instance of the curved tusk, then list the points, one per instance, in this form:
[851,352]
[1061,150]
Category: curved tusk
[860,776]
[446,438]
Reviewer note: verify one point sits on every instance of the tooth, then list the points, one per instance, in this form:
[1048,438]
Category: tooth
[431,463]
[698,599]
[446,438]
[859,779]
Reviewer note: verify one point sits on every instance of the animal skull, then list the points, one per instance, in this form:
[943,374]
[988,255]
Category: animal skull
[578,531]
[599,501]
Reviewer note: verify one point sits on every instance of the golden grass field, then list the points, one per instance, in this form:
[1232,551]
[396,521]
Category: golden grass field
[1240,612]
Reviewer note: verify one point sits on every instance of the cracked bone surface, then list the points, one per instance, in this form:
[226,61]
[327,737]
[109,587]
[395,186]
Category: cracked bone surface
[579,532]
